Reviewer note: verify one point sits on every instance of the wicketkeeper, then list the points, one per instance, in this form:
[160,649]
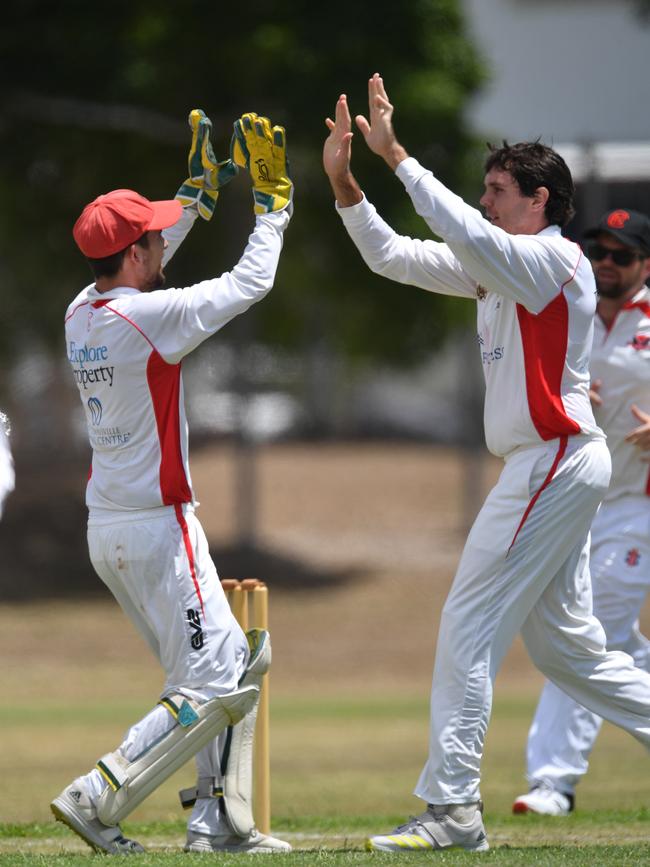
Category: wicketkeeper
[126,339]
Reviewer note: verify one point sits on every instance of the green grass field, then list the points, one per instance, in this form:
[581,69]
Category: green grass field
[342,768]
[349,686]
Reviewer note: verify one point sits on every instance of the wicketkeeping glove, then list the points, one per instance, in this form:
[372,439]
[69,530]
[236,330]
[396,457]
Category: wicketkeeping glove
[262,150]
[207,176]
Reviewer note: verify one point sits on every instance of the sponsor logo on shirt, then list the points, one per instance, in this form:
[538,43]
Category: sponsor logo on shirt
[640,341]
[108,436]
[95,407]
[481,292]
[633,558]
[495,354]
[81,356]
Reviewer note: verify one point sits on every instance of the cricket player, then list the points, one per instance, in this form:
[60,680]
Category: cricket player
[7,475]
[525,565]
[563,732]
[126,338]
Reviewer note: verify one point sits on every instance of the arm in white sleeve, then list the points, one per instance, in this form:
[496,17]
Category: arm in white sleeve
[7,477]
[426,264]
[176,234]
[178,320]
[520,267]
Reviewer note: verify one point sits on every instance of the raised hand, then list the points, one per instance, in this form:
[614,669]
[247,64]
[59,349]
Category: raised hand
[261,149]
[337,150]
[378,131]
[201,189]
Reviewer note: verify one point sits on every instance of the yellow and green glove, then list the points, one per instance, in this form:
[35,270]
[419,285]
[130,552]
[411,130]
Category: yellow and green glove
[262,150]
[207,176]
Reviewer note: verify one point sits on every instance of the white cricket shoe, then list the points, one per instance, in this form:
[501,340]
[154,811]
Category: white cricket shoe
[545,800]
[434,829]
[74,808]
[255,843]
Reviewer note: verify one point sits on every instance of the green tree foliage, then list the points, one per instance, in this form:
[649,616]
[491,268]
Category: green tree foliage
[96,97]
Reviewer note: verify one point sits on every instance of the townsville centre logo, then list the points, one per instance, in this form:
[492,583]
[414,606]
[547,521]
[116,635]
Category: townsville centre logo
[95,407]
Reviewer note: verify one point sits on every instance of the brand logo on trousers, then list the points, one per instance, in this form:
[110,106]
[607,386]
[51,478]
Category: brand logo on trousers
[198,638]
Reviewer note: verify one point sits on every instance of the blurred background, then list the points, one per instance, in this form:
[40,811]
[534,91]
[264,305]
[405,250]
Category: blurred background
[336,428]
[96,96]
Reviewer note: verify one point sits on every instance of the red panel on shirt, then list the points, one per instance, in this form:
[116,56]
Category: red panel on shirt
[164,385]
[545,339]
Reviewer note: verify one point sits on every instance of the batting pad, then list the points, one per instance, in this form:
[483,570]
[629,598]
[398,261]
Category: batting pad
[197,724]
[237,763]
[237,758]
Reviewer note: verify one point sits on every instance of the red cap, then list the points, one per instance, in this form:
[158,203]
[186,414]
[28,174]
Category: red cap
[117,219]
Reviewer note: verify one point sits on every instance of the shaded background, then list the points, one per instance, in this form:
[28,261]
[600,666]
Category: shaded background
[96,97]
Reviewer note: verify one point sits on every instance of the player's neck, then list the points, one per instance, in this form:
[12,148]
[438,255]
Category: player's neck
[122,278]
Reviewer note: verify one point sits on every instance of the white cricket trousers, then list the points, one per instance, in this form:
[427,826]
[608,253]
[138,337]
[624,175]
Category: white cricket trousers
[158,567]
[525,567]
[563,732]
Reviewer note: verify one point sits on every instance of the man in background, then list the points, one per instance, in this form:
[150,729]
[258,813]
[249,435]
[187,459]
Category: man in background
[563,732]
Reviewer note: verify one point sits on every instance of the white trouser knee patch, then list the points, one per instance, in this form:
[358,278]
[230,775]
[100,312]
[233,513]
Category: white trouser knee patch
[129,782]
[237,759]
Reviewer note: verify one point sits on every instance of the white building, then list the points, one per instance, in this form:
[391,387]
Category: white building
[575,74]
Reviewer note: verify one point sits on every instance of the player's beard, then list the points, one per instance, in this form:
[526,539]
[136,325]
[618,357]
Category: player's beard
[610,290]
[616,288]
[156,281]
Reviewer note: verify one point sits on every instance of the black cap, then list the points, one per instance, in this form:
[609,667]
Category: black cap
[629,227]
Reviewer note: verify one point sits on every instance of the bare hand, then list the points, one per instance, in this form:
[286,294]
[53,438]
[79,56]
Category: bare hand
[337,150]
[594,392]
[640,436]
[378,132]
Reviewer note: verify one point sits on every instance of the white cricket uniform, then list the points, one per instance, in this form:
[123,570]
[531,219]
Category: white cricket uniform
[525,563]
[563,732]
[126,348]
[7,476]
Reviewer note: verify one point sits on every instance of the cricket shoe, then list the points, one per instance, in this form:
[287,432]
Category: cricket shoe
[434,829]
[74,808]
[544,800]
[255,843]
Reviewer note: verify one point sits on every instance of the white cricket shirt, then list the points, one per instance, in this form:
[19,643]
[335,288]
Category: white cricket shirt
[621,360]
[126,347]
[536,298]
[7,475]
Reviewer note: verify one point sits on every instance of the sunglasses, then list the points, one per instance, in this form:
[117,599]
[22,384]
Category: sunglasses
[622,258]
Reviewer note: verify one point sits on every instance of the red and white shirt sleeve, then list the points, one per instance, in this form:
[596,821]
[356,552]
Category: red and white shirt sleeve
[536,301]
[125,348]
[621,361]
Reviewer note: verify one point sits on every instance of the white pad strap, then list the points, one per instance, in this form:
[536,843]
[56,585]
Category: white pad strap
[237,761]
[129,783]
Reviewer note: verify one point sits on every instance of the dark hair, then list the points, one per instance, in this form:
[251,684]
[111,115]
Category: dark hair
[109,266]
[534,165]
